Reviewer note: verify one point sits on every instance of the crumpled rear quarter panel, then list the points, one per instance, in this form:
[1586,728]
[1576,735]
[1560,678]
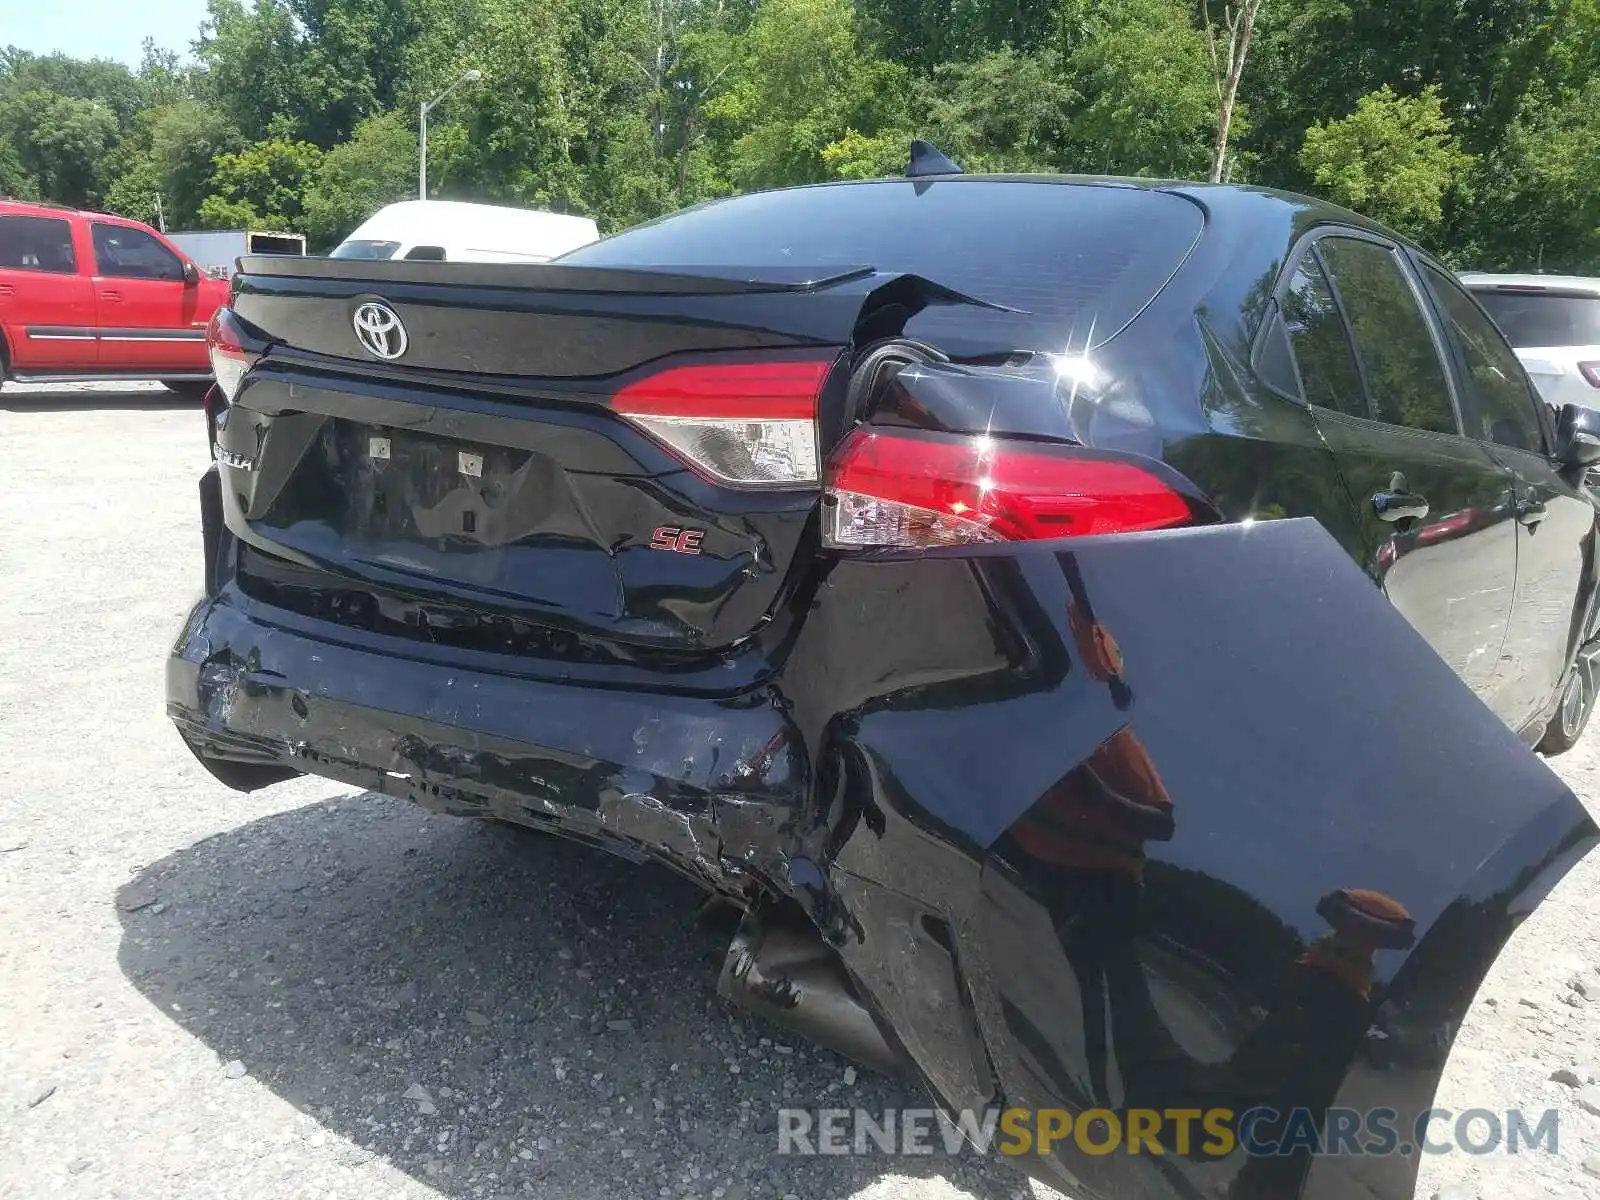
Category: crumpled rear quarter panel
[1180,820]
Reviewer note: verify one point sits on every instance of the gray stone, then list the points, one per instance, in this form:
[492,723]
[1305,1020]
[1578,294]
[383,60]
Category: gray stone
[1592,1164]
[1456,1191]
[1528,1002]
[41,1094]
[79,1165]
[620,1026]
[475,1018]
[234,1070]
[1569,1076]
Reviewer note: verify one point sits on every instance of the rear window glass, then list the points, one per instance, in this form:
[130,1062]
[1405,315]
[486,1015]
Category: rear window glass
[1082,257]
[1531,319]
[363,248]
[36,244]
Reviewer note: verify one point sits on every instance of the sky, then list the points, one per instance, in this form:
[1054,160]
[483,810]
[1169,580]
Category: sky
[100,28]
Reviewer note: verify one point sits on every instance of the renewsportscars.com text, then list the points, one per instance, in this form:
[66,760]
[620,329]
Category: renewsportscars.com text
[1213,1133]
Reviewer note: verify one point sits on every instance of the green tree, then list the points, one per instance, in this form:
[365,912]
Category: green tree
[377,166]
[1535,203]
[63,144]
[1393,159]
[170,155]
[1004,111]
[1151,98]
[253,59]
[263,185]
[788,106]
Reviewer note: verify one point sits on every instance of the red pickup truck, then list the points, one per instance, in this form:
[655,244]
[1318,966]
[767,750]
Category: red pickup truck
[90,296]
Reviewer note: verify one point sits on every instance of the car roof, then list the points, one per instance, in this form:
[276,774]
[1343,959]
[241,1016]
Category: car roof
[1552,283]
[45,208]
[41,207]
[1225,202]
[457,218]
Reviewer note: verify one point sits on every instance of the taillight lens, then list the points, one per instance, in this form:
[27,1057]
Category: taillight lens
[233,352]
[747,423]
[1591,372]
[920,491]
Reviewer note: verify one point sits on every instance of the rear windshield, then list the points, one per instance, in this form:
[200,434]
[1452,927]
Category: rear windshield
[1078,255]
[1544,319]
[364,249]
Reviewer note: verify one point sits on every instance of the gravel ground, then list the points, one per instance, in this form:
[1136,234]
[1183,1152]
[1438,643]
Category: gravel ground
[315,992]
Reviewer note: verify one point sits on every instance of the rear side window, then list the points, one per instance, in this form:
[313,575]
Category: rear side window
[426,253]
[133,254]
[1085,258]
[1544,318]
[1406,381]
[37,244]
[1502,408]
[1322,352]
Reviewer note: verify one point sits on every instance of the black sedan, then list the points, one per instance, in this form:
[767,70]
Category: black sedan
[1094,629]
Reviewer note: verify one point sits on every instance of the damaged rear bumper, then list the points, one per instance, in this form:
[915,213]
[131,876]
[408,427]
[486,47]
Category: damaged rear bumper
[699,784]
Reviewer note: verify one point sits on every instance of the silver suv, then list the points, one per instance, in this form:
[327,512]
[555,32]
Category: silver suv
[1553,323]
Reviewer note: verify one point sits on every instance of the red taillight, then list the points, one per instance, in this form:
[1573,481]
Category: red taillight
[920,490]
[1591,372]
[748,423]
[233,352]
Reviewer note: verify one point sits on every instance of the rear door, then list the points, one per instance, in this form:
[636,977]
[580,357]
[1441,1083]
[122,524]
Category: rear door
[1435,507]
[46,306]
[151,318]
[1556,521]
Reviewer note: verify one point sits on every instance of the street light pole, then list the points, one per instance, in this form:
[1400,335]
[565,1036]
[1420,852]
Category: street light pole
[423,109]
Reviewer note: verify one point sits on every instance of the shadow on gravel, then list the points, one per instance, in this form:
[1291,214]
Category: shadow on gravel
[556,1005]
[76,401]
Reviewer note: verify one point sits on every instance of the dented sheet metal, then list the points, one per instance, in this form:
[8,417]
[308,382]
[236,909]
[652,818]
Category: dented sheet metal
[1181,820]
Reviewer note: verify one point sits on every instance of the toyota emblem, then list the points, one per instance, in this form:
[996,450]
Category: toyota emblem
[380,330]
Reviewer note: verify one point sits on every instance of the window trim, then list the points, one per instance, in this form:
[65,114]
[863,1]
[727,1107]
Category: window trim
[72,245]
[1314,249]
[1272,327]
[99,267]
[1307,246]
[1441,348]
[1541,415]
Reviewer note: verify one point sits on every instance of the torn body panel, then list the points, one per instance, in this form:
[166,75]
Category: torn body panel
[1174,820]
[1227,834]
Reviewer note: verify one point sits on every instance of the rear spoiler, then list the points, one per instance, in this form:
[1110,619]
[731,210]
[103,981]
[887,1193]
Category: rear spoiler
[556,277]
[547,320]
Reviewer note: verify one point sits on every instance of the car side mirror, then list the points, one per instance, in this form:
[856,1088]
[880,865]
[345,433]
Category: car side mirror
[1578,437]
[191,274]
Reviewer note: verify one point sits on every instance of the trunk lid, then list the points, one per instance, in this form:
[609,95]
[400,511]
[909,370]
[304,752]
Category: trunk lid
[436,449]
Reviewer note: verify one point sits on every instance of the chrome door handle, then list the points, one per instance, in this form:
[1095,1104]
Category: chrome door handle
[1530,512]
[1399,506]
